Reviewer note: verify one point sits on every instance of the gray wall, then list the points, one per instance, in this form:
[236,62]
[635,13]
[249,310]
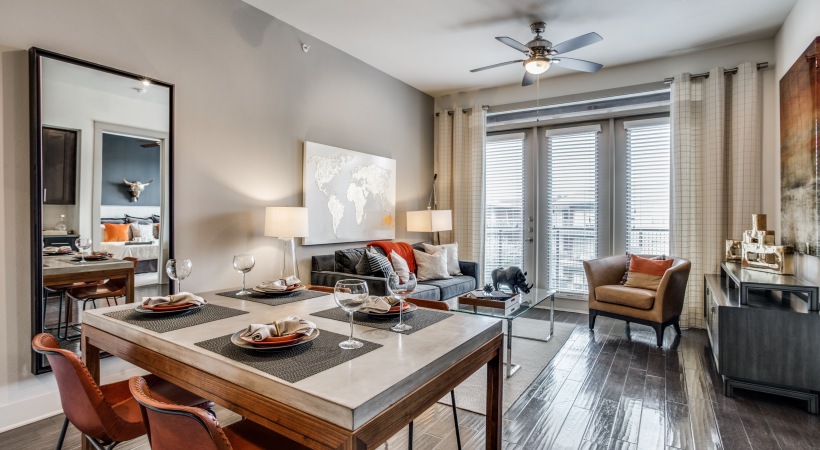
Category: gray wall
[247,98]
[124,157]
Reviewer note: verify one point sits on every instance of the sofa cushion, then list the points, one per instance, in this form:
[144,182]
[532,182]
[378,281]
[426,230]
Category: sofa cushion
[347,259]
[426,292]
[452,287]
[626,296]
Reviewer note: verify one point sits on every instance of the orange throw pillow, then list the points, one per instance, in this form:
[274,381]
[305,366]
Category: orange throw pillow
[116,232]
[646,273]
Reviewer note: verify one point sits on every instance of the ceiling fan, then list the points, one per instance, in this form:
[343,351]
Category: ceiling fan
[541,54]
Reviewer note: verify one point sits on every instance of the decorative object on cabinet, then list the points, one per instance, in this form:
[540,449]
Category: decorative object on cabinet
[734,250]
[287,223]
[758,251]
[800,153]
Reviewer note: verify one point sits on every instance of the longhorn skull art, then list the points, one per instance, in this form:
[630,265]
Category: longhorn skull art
[136,188]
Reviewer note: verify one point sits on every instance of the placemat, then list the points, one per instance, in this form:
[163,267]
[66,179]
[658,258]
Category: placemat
[418,319]
[88,261]
[171,322]
[295,363]
[274,300]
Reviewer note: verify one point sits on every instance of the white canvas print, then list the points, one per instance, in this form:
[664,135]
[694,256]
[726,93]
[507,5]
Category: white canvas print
[350,196]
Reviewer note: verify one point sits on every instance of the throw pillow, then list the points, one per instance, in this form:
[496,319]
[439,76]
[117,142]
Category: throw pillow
[400,266]
[452,256]
[142,232]
[116,232]
[142,220]
[431,267]
[628,261]
[646,273]
[363,266]
[379,264]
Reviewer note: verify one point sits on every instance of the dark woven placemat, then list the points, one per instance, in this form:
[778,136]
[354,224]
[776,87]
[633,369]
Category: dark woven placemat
[89,261]
[170,322]
[295,363]
[418,319]
[274,300]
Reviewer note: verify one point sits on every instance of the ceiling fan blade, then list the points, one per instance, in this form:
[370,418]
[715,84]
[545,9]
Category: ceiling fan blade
[577,64]
[514,44]
[529,79]
[497,65]
[577,42]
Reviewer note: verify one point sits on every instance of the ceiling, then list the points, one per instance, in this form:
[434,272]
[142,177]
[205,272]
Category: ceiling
[432,44]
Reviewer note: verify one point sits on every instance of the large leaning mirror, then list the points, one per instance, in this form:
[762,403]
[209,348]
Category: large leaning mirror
[101,142]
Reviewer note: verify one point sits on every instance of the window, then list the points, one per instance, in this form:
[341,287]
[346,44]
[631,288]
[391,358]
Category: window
[572,203]
[504,196]
[647,186]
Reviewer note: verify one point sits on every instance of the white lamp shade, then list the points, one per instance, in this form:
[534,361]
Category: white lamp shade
[430,220]
[286,221]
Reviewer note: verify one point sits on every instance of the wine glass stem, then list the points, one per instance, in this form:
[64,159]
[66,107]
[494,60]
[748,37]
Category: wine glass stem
[179,286]
[243,281]
[401,307]
[351,326]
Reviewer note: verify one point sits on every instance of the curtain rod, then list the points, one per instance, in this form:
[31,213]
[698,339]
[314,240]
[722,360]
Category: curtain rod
[671,80]
[466,110]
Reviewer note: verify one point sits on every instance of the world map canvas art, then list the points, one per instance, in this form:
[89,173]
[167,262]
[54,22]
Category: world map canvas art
[351,196]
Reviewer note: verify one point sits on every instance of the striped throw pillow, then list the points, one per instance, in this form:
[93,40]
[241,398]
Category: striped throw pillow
[646,273]
[379,264]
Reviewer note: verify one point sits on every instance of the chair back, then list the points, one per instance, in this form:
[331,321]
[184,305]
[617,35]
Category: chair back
[117,285]
[172,427]
[83,402]
[432,304]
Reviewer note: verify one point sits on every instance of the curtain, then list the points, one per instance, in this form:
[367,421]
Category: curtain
[716,153]
[460,136]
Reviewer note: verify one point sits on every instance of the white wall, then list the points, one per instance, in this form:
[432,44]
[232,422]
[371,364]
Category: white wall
[798,31]
[246,99]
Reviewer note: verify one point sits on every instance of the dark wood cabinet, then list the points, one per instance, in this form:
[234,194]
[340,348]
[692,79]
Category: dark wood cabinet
[59,166]
[58,240]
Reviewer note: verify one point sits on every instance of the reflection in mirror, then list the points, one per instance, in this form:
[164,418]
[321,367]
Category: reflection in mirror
[101,152]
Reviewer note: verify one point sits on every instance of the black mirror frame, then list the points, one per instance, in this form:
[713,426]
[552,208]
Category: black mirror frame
[35,96]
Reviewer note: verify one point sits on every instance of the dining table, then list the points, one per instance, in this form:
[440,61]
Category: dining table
[61,270]
[316,394]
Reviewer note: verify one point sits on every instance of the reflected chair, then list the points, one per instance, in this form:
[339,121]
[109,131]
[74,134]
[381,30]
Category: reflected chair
[657,309]
[106,414]
[328,289]
[442,306]
[110,289]
[173,427]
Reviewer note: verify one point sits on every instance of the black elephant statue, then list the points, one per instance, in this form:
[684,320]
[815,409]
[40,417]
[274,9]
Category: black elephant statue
[513,278]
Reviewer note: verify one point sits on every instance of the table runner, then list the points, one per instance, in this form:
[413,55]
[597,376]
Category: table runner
[274,300]
[295,363]
[171,322]
[418,319]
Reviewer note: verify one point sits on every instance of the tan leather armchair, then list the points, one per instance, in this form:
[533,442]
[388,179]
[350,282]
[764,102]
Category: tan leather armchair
[658,309]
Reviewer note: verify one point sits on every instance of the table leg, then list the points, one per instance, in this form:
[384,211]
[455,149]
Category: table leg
[511,368]
[495,386]
[91,358]
[552,316]
[129,287]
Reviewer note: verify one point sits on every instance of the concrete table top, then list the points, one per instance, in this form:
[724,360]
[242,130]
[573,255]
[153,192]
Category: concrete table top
[61,265]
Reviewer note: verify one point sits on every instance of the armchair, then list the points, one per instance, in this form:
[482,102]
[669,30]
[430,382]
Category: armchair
[657,309]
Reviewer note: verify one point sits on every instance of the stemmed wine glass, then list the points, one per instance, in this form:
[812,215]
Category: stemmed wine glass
[178,270]
[243,264]
[401,291]
[350,295]
[83,244]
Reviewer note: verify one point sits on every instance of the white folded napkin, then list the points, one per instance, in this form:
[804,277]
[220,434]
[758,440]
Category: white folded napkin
[375,304]
[288,325]
[61,249]
[280,285]
[175,299]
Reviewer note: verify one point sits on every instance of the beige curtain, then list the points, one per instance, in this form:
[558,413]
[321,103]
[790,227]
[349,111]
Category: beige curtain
[459,162]
[716,153]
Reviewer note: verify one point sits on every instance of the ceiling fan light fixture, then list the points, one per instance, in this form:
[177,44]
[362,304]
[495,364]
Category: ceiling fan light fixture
[537,65]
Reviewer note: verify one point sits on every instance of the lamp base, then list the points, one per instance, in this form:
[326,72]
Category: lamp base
[289,265]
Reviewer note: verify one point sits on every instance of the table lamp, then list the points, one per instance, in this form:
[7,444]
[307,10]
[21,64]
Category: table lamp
[287,223]
[430,220]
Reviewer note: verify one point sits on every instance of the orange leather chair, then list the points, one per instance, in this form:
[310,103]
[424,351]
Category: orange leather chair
[106,414]
[174,427]
[107,290]
[658,309]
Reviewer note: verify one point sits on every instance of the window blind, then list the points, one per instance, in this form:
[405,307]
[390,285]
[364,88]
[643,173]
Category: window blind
[647,186]
[572,190]
[504,197]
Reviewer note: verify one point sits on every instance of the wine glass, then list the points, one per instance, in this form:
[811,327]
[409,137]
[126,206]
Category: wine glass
[178,270]
[243,264]
[83,244]
[350,295]
[401,290]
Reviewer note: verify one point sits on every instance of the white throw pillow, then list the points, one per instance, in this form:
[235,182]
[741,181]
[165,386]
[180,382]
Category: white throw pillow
[142,232]
[400,266]
[431,267]
[452,256]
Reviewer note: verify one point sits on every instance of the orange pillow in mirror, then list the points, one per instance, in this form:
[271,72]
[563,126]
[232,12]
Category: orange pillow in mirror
[116,232]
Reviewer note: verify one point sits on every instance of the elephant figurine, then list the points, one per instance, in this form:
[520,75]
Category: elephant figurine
[513,278]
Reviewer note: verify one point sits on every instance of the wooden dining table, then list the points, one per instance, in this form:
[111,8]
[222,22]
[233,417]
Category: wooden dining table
[61,270]
[357,404]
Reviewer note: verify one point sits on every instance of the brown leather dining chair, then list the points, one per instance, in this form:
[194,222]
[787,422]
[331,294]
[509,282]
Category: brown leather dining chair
[109,289]
[106,414]
[174,427]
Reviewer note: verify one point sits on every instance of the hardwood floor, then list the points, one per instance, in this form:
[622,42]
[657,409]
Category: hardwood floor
[611,389]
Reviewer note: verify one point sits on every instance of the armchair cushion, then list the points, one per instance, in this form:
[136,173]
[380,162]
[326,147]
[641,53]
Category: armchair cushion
[646,273]
[626,296]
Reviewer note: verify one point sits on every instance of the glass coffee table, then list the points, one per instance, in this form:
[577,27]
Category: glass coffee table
[525,303]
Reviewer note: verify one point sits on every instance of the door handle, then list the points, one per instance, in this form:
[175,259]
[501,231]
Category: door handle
[530,240]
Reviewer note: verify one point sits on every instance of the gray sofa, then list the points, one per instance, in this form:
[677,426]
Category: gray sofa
[326,270]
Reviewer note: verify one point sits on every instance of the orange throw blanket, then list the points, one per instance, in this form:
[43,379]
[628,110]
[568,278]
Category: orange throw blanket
[402,249]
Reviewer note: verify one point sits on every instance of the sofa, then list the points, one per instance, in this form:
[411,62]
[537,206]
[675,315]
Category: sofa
[326,270]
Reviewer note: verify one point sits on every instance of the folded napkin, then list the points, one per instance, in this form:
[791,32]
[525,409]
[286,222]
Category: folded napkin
[375,304]
[288,325]
[61,249]
[280,285]
[175,299]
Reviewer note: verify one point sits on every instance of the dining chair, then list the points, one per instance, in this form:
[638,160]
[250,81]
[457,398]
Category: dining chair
[106,414]
[172,427]
[442,306]
[61,290]
[327,289]
[113,288]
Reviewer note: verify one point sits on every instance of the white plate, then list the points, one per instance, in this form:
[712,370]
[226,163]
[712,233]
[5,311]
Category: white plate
[237,341]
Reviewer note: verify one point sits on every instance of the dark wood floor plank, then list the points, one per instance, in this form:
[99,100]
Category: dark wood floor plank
[678,426]
[591,390]
[627,420]
[655,393]
[651,434]
[614,385]
[572,431]
[705,433]
[599,430]
[656,364]
[549,424]
[760,435]
[676,387]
